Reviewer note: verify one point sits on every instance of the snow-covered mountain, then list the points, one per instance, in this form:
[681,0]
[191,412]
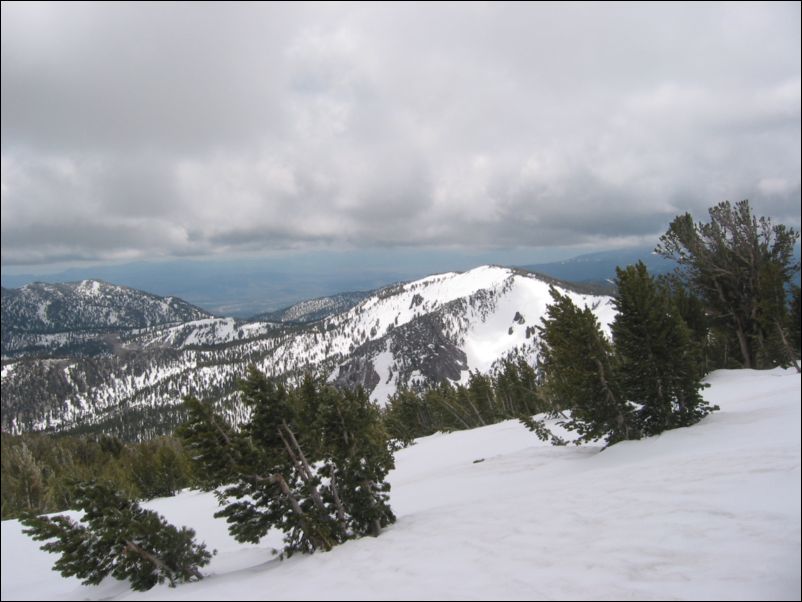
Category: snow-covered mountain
[311,310]
[207,332]
[439,327]
[79,317]
[709,512]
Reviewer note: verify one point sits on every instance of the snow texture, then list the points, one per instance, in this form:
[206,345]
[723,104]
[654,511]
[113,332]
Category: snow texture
[710,512]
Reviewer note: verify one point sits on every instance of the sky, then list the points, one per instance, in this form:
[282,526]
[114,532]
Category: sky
[167,131]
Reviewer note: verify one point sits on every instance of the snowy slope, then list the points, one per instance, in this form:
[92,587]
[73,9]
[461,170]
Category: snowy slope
[436,328]
[90,304]
[485,314]
[311,310]
[703,513]
[205,332]
[47,318]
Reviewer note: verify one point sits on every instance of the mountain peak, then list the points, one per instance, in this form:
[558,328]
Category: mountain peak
[42,317]
[417,333]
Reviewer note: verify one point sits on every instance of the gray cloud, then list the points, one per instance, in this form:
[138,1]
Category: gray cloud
[152,130]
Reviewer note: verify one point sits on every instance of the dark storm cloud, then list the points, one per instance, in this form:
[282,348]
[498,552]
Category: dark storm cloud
[139,130]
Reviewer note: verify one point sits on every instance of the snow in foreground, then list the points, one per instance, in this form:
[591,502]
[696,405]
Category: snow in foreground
[707,512]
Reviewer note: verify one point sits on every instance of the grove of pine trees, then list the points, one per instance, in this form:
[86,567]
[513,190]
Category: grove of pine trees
[730,296]
[510,391]
[643,382]
[37,470]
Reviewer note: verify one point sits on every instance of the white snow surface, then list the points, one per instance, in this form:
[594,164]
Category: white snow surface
[710,512]
[482,331]
[6,370]
[206,331]
[488,337]
[387,386]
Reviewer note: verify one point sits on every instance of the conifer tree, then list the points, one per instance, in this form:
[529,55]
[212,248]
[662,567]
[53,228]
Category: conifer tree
[740,266]
[354,458]
[708,346]
[217,447]
[119,539]
[309,462]
[482,398]
[657,360]
[407,416]
[580,373]
[22,478]
[517,389]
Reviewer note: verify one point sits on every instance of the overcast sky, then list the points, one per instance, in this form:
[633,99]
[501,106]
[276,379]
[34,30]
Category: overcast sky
[142,131]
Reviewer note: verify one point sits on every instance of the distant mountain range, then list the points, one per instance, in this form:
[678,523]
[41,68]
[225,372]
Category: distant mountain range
[91,355]
[82,318]
[230,288]
[247,288]
[600,267]
[439,327]
[312,310]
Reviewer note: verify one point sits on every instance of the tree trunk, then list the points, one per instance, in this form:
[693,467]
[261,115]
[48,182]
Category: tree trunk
[744,345]
[787,347]
[302,465]
[337,501]
[316,538]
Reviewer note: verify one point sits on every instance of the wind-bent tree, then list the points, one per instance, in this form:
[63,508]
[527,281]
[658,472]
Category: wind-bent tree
[118,538]
[740,265]
[310,462]
[580,374]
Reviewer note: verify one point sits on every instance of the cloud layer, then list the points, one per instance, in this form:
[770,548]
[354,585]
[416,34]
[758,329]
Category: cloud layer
[135,131]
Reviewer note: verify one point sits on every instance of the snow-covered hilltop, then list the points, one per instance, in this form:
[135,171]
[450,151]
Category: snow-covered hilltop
[709,512]
[311,310]
[446,325]
[42,318]
[439,327]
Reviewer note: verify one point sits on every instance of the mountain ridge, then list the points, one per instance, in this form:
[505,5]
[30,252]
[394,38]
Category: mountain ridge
[75,317]
[409,334]
[311,310]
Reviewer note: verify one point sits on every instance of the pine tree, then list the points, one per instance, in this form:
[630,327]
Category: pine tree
[739,265]
[658,363]
[709,348]
[772,314]
[517,389]
[354,458]
[23,479]
[217,447]
[119,539]
[580,373]
[482,398]
[408,416]
[309,462]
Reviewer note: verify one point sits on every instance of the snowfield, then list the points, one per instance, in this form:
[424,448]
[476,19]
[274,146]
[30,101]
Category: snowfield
[709,512]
